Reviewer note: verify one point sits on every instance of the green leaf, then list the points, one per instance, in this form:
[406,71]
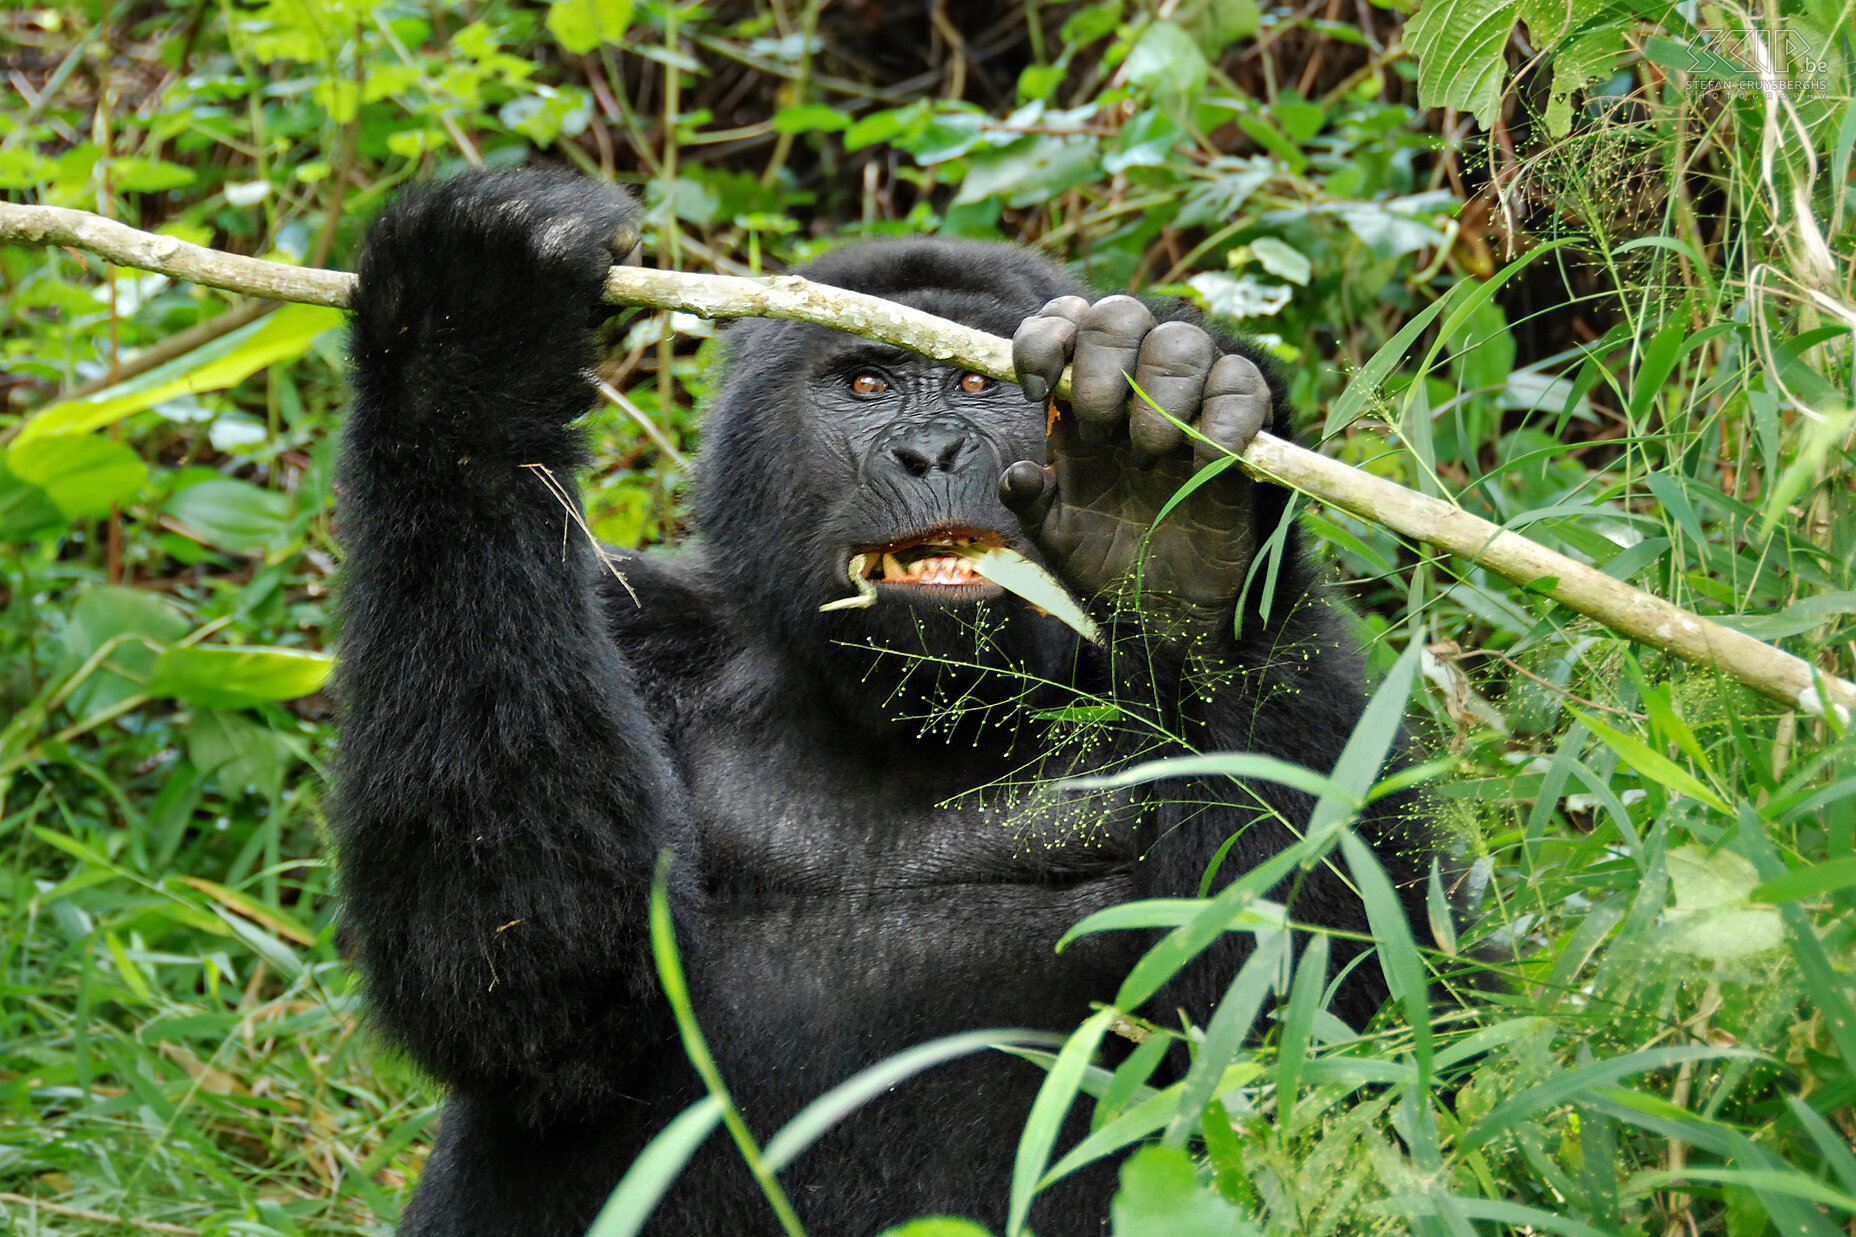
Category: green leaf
[1565,1087]
[644,1183]
[932,1226]
[853,1093]
[147,175]
[1047,1114]
[1458,45]
[282,336]
[1223,764]
[1036,170]
[1653,764]
[1280,259]
[1221,23]
[1712,917]
[230,678]
[582,25]
[81,474]
[1398,952]
[810,118]
[26,511]
[1086,25]
[246,755]
[1017,574]
[1252,916]
[232,515]
[1160,1196]
[1167,61]
[1808,882]
[1230,1025]
[133,618]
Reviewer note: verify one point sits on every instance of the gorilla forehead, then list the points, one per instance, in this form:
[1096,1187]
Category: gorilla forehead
[991,287]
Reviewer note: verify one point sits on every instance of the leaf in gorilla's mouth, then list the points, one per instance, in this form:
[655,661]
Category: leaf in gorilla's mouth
[962,561]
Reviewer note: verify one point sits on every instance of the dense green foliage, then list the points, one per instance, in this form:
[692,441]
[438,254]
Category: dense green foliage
[1608,302]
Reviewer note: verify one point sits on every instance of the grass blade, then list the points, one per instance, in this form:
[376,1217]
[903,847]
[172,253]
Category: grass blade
[651,1174]
[848,1096]
[1047,1114]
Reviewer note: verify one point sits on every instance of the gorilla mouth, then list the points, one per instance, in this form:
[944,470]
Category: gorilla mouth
[921,561]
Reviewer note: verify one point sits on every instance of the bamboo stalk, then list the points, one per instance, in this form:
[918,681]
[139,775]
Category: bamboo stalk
[1631,612]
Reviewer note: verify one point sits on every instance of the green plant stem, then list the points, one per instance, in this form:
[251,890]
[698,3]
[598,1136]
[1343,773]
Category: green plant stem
[677,991]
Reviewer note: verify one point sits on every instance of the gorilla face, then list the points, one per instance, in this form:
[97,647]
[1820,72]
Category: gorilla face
[888,457]
[929,444]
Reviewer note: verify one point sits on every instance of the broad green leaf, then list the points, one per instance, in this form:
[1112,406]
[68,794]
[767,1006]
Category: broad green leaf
[1161,1196]
[1086,25]
[136,620]
[639,1191]
[26,511]
[1167,61]
[244,754]
[1281,259]
[230,678]
[1712,917]
[82,474]
[282,336]
[810,118]
[232,515]
[582,25]
[1458,45]
[1027,173]
[147,175]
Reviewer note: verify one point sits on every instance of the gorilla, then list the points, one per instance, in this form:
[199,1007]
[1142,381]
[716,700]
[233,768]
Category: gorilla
[873,841]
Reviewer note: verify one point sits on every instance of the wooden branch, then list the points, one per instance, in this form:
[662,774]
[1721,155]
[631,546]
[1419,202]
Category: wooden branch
[1626,610]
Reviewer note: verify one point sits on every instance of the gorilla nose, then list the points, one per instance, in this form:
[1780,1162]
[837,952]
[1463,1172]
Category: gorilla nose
[941,444]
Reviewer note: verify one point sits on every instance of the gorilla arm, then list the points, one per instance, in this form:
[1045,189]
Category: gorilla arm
[1286,683]
[500,792]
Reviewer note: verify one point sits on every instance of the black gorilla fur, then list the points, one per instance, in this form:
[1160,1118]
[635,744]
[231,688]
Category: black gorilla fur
[524,732]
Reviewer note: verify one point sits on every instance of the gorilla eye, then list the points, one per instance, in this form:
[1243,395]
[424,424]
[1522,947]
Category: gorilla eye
[973,384]
[867,383]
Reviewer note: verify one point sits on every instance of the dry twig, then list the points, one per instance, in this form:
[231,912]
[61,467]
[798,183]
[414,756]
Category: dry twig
[1626,610]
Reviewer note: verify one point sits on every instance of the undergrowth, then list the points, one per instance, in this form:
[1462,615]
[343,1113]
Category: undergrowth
[1655,869]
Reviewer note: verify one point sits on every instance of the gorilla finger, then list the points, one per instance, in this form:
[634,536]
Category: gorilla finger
[1040,349]
[1028,491]
[1175,359]
[1237,407]
[1108,349]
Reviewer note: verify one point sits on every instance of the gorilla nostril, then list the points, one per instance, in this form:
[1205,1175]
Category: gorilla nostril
[951,454]
[913,462]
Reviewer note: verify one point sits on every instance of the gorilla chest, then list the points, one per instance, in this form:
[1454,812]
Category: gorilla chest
[887,900]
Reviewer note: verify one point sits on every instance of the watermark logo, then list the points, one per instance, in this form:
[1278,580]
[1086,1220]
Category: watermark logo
[1743,62]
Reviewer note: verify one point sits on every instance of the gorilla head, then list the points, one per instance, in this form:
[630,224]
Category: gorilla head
[892,456]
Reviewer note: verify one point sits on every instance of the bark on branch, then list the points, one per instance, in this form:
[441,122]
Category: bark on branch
[1626,610]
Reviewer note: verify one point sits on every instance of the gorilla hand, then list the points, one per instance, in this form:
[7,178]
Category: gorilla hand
[472,310]
[1116,461]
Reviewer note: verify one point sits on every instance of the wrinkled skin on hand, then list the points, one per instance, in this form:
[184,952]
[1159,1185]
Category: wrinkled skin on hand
[1115,461]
